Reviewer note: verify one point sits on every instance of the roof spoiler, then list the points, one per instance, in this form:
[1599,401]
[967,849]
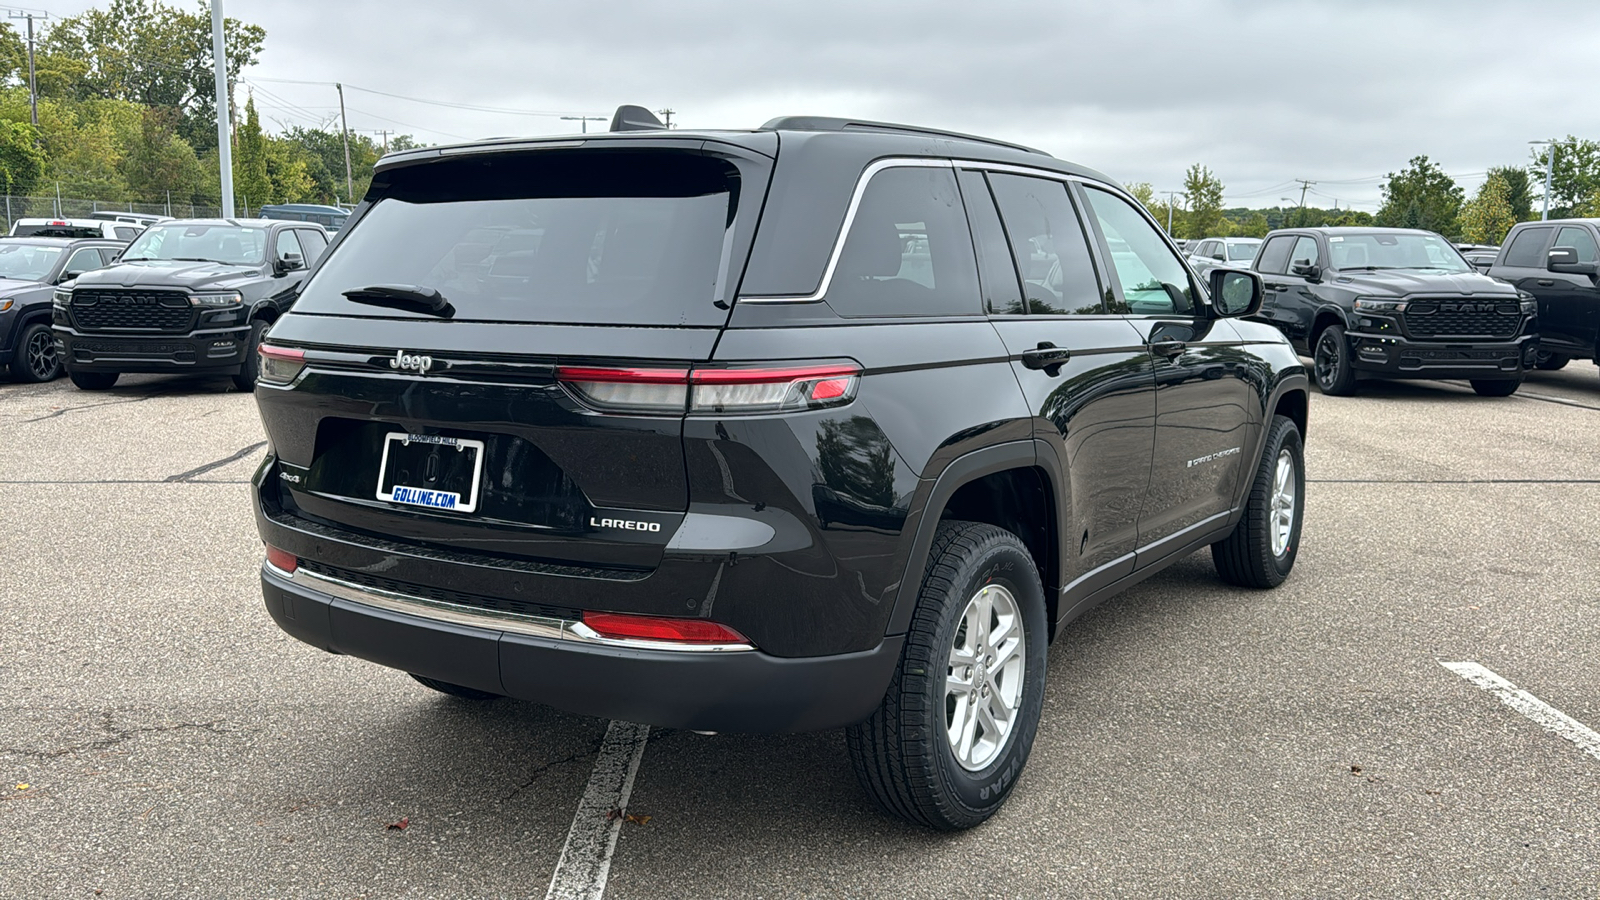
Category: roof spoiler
[636,118]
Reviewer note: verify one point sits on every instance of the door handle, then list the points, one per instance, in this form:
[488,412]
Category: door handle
[1046,356]
[1279,287]
[1168,348]
[1545,282]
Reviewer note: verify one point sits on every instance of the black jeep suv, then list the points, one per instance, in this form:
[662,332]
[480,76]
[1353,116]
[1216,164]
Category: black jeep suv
[30,269]
[187,297]
[1394,303]
[821,424]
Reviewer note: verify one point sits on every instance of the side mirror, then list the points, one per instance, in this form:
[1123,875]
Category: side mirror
[289,262]
[1565,261]
[1219,255]
[1235,292]
[1308,271]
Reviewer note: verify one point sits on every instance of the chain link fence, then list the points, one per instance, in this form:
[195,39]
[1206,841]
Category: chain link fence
[20,207]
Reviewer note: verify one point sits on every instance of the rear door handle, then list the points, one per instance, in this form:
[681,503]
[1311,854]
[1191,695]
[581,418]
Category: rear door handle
[1169,349]
[1278,287]
[1046,356]
[1545,282]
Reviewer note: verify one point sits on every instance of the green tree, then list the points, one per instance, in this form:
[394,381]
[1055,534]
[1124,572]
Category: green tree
[1487,217]
[1576,176]
[1204,190]
[151,54]
[160,164]
[1421,196]
[21,161]
[252,183]
[324,158]
[1254,225]
[1519,191]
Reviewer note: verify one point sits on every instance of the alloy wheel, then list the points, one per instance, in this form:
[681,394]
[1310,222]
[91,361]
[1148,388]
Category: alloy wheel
[1326,362]
[1283,504]
[41,355]
[983,685]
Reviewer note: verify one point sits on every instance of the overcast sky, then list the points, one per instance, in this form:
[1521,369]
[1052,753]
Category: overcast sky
[1336,91]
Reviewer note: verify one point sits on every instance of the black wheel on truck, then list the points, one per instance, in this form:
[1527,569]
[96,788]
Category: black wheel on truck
[1331,363]
[954,730]
[454,690]
[93,381]
[1550,362]
[1261,550]
[1496,387]
[251,367]
[36,359]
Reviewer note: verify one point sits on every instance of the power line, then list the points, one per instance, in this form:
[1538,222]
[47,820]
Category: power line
[448,105]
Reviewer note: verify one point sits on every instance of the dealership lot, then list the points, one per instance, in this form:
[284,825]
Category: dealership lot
[1197,740]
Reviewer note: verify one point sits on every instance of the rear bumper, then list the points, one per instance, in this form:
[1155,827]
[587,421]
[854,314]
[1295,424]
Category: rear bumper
[733,690]
[1392,357]
[220,351]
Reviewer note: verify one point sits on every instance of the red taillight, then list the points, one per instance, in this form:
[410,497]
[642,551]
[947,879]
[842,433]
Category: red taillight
[658,628]
[280,365]
[721,391]
[282,560]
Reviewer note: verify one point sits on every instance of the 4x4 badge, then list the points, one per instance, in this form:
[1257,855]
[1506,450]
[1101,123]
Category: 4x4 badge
[410,362]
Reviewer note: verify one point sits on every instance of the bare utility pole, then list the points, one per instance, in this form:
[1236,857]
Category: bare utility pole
[666,115]
[584,119]
[344,132]
[33,87]
[385,133]
[219,56]
[1549,170]
[1304,184]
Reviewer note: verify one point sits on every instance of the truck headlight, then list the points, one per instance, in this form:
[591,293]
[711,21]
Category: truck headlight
[62,298]
[1371,305]
[1530,306]
[221,298]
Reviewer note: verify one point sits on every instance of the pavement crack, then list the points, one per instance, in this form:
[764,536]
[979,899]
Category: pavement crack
[201,470]
[83,406]
[117,736]
[536,774]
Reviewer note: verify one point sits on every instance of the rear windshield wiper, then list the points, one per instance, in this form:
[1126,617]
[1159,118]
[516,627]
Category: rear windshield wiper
[404,296]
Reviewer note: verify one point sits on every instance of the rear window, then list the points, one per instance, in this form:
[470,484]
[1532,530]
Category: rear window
[622,237]
[64,231]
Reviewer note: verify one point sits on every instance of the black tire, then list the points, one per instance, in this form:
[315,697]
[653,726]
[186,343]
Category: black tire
[1247,557]
[251,368]
[1550,362]
[901,754]
[93,381]
[1331,363]
[455,690]
[1496,387]
[36,360]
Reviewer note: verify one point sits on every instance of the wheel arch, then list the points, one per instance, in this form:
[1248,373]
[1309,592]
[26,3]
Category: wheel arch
[1011,486]
[1328,315]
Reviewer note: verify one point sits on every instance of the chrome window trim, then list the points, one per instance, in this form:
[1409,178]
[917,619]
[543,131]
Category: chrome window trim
[454,613]
[867,175]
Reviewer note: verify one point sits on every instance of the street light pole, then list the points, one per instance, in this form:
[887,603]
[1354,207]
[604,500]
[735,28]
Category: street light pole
[344,132]
[1171,202]
[219,56]
[1549,171]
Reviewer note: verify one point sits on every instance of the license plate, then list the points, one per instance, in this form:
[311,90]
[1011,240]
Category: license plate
[430,471]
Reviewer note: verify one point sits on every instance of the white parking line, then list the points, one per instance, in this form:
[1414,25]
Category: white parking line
[586,858]
[1530,706]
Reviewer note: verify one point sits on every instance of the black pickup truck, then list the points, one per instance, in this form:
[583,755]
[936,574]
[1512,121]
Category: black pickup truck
[1394,303]
[1558,262]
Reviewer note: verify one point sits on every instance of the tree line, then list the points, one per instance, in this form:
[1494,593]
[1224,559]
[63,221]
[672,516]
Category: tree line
[1421,195]
[127,113]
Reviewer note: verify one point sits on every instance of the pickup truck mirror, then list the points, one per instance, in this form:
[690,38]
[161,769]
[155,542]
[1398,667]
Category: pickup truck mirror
[289,262]
[1565,261]
[1235,292]
[1308,271]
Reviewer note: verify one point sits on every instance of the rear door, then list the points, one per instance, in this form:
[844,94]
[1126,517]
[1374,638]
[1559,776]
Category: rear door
[536,415]
[1523,263]
[1083,368]
[1203,421]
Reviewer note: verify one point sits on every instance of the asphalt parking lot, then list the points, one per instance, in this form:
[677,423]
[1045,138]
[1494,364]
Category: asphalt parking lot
[160,737]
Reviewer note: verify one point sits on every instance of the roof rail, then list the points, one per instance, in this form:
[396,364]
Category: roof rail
[635,118]
[823,123]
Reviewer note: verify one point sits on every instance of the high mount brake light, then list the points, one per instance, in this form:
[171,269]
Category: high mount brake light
[721,391]
[280,365]
[618,626]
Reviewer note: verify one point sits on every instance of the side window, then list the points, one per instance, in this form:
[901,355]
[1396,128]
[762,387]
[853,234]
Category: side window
[1154,282]
[1305,253]
[1580,240]
[909,252]
[1275,256]
[125,233]
[109,254]
[997,272]
[1525,248]
[82,261]
[314,243]
[289,245]
[1049,246]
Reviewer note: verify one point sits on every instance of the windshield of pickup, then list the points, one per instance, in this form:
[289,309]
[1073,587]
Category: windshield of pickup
[199,241]
[1382,250]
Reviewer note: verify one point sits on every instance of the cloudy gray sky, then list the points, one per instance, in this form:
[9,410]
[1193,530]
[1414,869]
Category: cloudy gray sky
[1336,91]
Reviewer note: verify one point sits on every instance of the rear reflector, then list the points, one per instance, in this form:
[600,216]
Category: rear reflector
[719,391]
[282,560]
[656,628]
[280,365]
